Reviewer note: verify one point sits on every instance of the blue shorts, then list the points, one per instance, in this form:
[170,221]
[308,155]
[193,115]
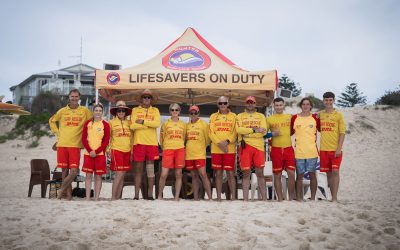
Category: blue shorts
[306,165]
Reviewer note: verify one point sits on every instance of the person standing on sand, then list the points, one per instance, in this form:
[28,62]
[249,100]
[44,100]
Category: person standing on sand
[305,126]
[223,145]
[251,127]
[120,146]
[333,130]
[95,139]
[67,125]
[282,154]
[172,141]
[196,143]
[145,120]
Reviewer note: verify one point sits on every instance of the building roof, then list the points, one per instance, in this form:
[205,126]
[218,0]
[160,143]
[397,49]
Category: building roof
[84,69]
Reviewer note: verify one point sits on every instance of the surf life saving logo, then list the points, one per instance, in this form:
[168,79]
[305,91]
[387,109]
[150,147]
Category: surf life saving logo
[186,58]
[113,78]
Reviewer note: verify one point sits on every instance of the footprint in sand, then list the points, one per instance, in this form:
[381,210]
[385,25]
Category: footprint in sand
[304,246]
[389,230]
[261,223]
[120,220]
[82,246]
[301,221]
[352,229]
[392,247]
[363,216]
[325,230]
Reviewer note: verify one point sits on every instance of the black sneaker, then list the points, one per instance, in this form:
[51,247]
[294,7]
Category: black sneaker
[150,198]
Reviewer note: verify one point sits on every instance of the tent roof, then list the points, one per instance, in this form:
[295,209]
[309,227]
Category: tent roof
[189,70]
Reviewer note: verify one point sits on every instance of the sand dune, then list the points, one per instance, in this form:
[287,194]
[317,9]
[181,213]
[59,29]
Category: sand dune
[367,216]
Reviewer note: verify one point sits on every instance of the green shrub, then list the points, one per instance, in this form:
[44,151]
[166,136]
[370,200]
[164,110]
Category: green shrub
[390,98]
[318,104]
[29,122]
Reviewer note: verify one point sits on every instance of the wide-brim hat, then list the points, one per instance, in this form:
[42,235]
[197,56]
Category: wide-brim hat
[145,92]
[120,105]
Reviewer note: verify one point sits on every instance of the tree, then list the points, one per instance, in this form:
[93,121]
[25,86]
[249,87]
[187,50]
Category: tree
[390,98]
[286,83]
[46,102]
[351,96]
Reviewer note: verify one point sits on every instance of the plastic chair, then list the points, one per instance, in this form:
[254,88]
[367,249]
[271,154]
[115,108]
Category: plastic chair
[40,174]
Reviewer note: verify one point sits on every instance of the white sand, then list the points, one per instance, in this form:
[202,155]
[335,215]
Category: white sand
[367,217]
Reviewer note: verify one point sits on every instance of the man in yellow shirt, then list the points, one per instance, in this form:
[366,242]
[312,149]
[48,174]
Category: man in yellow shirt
[282,153]
[223,145]
[251,127]
[145,121]
[333,130]
[67,125]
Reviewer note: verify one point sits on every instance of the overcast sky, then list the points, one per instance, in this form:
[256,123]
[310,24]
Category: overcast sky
[322,45]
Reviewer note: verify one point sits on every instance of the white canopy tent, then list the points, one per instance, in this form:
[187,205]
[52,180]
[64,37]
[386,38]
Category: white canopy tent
[188,71]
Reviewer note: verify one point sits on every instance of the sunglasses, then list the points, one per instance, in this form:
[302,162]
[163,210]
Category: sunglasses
[250,102]
[121,110]
[223,103]
[194,113]
[147,97]
[174,110]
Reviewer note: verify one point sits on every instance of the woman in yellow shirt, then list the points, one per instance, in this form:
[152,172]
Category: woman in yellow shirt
[95,139]
[196,143]
[120,146]
[172,140]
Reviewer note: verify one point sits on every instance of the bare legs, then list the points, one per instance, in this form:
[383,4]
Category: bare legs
[333,182]
[138,178]
[117,185]
[291,184]
[68,176]
[299,186]
[261,183]
[178,182]
[206,182]
[218,183]
[88,186]
[246,184]
[232,183]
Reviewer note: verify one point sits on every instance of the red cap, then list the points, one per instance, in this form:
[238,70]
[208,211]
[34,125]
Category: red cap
[251,98]
[194,107]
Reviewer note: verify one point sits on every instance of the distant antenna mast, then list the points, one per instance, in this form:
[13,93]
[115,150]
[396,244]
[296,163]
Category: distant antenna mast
[81,52]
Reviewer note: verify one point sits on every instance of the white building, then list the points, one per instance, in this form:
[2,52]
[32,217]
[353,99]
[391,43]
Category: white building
[80,76]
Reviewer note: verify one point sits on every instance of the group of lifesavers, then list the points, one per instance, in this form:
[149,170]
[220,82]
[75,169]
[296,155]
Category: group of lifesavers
[184,145]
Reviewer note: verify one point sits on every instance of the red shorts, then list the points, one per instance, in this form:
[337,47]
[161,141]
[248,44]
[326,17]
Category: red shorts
[145,152]
[68,157]
[195,164]
[282,159]
[120,161]
[96,164]
[251,156]
[328,161]
[223,161]
[173,158]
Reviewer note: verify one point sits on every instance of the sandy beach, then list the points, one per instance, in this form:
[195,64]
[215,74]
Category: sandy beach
[366,217]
